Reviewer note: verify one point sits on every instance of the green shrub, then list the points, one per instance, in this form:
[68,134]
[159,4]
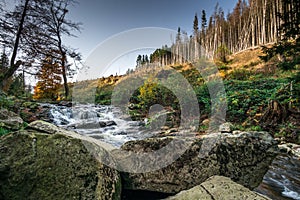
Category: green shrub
[240,74]
[103,97]
[203,98]
[6,102]
[3,131]
[246,98]
[151,92]
[255,128]
[288,65]
[223,67]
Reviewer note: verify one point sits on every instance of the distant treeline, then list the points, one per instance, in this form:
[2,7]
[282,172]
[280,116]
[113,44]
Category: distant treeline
[251,23]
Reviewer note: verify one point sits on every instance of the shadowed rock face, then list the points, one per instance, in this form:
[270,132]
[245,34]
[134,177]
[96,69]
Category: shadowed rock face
[243,157]
[218,187]
[51,165]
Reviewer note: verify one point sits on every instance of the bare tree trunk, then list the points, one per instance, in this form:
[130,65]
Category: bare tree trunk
[264,10]
[14,66]
[252,29]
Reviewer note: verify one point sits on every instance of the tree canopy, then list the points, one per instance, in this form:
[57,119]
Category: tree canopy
[34,30]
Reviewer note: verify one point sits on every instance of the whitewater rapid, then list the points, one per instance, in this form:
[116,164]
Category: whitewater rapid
[105,123]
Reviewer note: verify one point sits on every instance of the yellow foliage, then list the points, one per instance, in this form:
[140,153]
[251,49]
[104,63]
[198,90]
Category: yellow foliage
[49,80]
[148,91]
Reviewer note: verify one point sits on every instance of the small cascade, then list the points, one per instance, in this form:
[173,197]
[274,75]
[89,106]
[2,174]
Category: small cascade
[101,122]
[61,115]
[282,181]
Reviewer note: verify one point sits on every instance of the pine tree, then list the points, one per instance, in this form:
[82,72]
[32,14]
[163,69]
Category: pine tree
[4,62]
[203,21]
[146,59]
[196,26]
[203,30]
[138,61]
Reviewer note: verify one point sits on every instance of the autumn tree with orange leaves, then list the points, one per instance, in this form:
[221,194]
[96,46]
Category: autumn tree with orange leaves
[49,80]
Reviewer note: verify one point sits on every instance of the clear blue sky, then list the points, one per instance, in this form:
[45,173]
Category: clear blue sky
[103,18]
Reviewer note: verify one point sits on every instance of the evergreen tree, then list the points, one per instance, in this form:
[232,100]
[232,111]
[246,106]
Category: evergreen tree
[17,85]
[138,60]
[203,21]
[146,59]
[4,62]
[178,36]
[196,26]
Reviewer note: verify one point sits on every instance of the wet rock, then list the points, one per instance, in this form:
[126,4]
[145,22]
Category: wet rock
[65,103]
[107,123]
[32,111]
[38,165]
[94,124]
[110,123]
[290,148]
[218,188]
[120,133]
[244,157]
[10,120]
[102,124]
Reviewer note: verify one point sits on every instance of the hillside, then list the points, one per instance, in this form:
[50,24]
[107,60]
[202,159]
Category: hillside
[259,95]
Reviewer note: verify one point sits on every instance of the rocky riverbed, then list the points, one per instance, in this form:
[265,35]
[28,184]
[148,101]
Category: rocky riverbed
[46,156]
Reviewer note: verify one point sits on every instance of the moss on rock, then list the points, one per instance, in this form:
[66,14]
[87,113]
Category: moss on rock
[36,165]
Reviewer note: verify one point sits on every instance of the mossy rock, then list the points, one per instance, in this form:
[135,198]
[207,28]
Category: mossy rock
[30,105]
[10,120]
[218,187]
[45,166]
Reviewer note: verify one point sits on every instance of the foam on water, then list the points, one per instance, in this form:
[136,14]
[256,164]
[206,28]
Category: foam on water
[90,115]
[291,194]
[282,181]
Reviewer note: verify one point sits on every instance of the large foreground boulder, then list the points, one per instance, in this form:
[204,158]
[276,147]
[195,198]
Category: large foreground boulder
[46,162]
[243,157]
[218,188]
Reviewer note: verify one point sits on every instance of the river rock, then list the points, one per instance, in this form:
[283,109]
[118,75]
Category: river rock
[32,111]
[218,188]
[290,148]
[10,120]
[38,165]
[243,157]
[226,127]
[44,127]
[95,124]
[65,103]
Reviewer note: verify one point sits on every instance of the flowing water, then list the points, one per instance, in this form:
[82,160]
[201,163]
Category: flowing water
[282,181]
[105,123]
[108,124]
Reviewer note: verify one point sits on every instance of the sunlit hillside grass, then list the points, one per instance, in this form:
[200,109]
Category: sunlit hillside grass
[251,87]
